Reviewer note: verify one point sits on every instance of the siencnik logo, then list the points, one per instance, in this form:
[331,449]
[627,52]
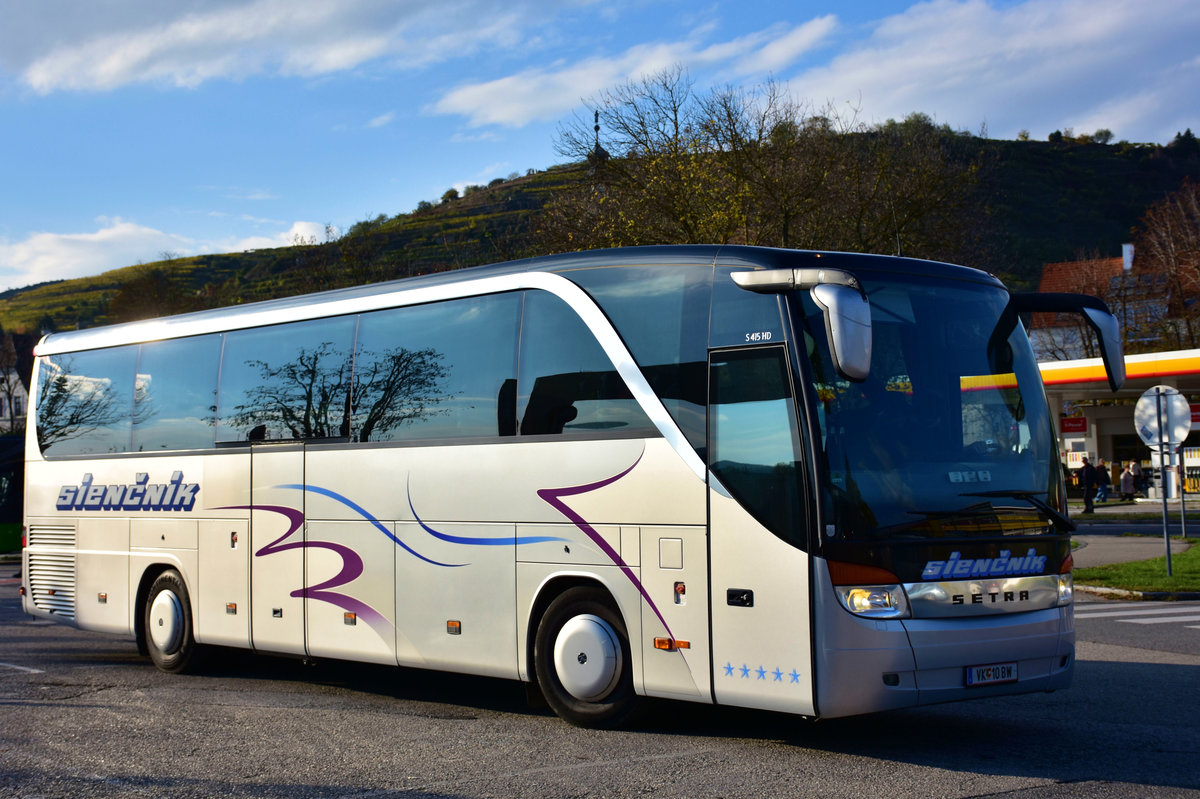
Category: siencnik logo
[139,495]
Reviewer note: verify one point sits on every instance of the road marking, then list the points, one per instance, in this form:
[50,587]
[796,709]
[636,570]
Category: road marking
[25,669]
[1175,619]
[1087,607]
[1143,612]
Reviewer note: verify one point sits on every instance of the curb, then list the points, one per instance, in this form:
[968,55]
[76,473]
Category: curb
[1152,596]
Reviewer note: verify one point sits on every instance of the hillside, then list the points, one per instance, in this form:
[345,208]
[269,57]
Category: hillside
[1042,202]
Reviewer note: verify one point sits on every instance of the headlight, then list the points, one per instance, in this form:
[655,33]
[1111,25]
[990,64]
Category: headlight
[874,601]
[1066,589]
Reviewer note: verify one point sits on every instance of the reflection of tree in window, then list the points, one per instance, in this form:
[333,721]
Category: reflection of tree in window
[73,406]
[307,396]
[395,388]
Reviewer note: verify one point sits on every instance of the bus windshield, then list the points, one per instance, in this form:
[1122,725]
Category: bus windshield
[950,433]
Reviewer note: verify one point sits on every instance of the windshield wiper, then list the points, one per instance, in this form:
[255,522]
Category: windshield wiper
[1056,517]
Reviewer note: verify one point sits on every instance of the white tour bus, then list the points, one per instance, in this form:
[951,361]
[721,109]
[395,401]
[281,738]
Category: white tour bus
[818,483]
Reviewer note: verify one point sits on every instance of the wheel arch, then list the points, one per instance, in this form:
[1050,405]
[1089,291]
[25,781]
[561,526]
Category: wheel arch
[149,575]
[550,590]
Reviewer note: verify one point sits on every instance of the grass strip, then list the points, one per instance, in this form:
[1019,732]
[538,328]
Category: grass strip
[1147,575]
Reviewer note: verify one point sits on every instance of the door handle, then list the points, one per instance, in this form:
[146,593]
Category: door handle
[739,597]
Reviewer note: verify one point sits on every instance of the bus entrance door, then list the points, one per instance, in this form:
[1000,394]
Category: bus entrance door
[277,543]
[761,636]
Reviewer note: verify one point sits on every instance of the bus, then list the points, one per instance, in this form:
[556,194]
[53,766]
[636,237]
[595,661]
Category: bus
[819,483]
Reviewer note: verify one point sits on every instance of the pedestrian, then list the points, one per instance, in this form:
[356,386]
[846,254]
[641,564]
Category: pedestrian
[1087,478]
[1139,481]
[1127,484]
[1103,481]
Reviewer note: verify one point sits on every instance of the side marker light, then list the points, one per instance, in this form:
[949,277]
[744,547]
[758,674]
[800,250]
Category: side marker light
[671,644]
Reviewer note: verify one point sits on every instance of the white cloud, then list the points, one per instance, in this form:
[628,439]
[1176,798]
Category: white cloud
[1039,65]
[188,43]
[56,256]
[382,120]
[60,256]
[549,92]
[298,233]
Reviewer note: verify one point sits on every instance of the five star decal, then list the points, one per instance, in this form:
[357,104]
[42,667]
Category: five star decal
[748,672]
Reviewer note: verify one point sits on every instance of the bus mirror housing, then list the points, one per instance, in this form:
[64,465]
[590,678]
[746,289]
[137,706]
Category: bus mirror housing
[840,297]
[1097,316]
[848,328]
[1112,350]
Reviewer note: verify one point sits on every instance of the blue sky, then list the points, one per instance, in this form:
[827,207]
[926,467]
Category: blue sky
[131,128]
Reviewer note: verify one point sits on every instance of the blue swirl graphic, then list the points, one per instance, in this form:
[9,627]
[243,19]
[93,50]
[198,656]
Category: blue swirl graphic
[354,506]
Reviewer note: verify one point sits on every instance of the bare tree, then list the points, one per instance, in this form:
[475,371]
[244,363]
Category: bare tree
[1168,245]
[757,167]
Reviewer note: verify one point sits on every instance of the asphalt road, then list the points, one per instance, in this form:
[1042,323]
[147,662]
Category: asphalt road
[81,715]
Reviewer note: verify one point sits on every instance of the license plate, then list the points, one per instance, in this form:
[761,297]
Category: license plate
[991,674]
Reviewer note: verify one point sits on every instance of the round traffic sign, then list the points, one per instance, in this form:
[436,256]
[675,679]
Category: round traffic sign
[1162,416]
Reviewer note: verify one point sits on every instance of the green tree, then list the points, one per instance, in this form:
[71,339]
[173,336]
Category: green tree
[152,292]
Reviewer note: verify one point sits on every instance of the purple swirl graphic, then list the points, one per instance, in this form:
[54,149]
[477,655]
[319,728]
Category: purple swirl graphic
[352,567]
[553,497]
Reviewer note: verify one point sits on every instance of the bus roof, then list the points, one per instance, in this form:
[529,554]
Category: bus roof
[481,279]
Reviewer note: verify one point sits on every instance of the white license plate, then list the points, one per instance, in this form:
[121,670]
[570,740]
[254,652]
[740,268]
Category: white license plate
[991,674]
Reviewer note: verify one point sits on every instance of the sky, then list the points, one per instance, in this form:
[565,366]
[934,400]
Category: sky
[134,129]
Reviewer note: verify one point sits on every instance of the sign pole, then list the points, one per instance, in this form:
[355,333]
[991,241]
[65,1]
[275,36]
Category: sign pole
[1182,497]
[1163,457]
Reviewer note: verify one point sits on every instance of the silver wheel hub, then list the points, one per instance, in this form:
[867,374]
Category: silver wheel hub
[587,657]
[166,622]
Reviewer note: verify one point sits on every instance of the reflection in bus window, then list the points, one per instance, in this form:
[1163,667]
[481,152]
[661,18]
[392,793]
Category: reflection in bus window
[436,371]
[176,383]
[286,382]
[567,382]
[755,441]
[85,402]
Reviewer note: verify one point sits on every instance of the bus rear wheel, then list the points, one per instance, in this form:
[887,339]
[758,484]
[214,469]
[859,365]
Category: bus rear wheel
[581,657]
[168,623]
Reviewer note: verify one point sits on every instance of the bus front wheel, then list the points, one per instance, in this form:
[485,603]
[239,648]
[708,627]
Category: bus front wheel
[581,657]
[168,618]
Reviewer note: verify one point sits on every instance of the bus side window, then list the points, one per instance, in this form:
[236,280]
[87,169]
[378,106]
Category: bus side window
[754,445]
[437,370]
[176,394]
[85,403]
[567,384]
[286,382]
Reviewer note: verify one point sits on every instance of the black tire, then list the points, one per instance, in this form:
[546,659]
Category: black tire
[604,695]
[168,623]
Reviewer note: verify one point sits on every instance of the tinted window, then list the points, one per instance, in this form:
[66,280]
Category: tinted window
[443,370]
[286,382]
[86,402]
[661,312]
[177,394]
[567,383]
[754,441]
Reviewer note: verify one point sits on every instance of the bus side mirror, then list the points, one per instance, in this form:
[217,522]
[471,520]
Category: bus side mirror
[842,302]
[848,328]
[1097,316]
[1112,350]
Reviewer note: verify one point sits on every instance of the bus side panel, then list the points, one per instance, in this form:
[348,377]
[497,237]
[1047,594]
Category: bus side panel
[222,595]
[762,636]
[675,576]
[348,617]
[103,600]
[458,607]
[277,540]
[222,602]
